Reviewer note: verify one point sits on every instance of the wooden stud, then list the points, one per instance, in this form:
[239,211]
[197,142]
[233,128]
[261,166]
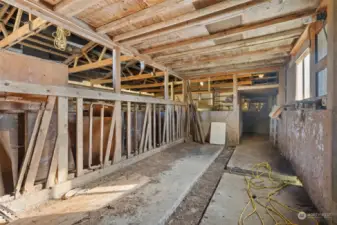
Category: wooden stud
[154,126]
[51,179]
[101,56]
[29,152]
[142,140]
[136,129]
[159,127]
[98,64]
[101,137]
[62,135]
[110,137]
[39,144]
[129,129]
[79,136]
[17,20]
[116,76]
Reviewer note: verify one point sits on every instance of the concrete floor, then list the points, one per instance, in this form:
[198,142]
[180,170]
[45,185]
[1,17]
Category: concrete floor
[148,192]
[231,197]
[257,149]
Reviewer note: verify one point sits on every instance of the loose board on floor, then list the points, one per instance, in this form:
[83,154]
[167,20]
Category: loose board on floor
[218,133]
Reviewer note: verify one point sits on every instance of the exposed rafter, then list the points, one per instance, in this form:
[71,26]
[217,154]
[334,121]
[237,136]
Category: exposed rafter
[24,32]
[98,64]
[231,31]
[83,30]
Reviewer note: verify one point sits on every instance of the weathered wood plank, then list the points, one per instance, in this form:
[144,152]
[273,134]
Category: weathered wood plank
[62,135]
[39,144]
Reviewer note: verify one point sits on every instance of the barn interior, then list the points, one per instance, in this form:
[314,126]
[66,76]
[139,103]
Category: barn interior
[168,112]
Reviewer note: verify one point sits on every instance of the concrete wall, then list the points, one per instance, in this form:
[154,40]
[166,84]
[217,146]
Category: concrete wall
[303,141]
[228,117]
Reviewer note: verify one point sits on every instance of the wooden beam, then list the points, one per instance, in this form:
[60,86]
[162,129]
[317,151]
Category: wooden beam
[81,29]
[62,135]
[331,155]
[39,144]
[73,7]
[79,136]
[144,86]
[274,37]
[29,153]
[258,87]
[233,55]
[116,77]
[232,70]
[130,78]
[140,15]
[305,36]
[231,31]
[98,64]
[71,92]
[86,48]
[238,72]
[204,16]
[237,65]
[23,32]
[128,138]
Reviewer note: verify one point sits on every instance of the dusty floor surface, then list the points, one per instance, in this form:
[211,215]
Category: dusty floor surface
[143,193]
[191,210]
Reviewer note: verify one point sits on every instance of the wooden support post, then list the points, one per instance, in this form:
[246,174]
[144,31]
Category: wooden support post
[110,137]
[166,96]
[51,179]
[129,130]
[62,135]
[136,129]
[236,108]
[331,157]
[39,144]
[174,131]
[29,153]
[154,126]
[79,137]
[159,127]
[101,137]
[116,77]
[144,130]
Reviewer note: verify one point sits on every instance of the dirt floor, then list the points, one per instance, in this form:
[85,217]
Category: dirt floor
[191,210]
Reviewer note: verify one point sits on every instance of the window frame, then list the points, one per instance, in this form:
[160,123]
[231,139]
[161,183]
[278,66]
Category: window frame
[301,59]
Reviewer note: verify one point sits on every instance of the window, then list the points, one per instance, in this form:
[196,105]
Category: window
[303,77]
[321,79]
[321,45]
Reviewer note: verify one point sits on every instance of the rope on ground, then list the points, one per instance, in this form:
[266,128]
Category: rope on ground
[258,182]
[60,38]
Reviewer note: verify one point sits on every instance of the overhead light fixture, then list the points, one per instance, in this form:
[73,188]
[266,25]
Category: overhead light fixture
[261,75]
[202,83]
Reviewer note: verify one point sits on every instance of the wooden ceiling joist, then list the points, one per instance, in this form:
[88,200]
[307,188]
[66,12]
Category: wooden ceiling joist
[239,73]
[130,78]
[233,70]
[86,48]
[274,37]
[98,64]
[204,16]
[23,32]
[219,85]
[74,7]
[265,60]
[84,30]
[266,51]
[140,15]
[232,31]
